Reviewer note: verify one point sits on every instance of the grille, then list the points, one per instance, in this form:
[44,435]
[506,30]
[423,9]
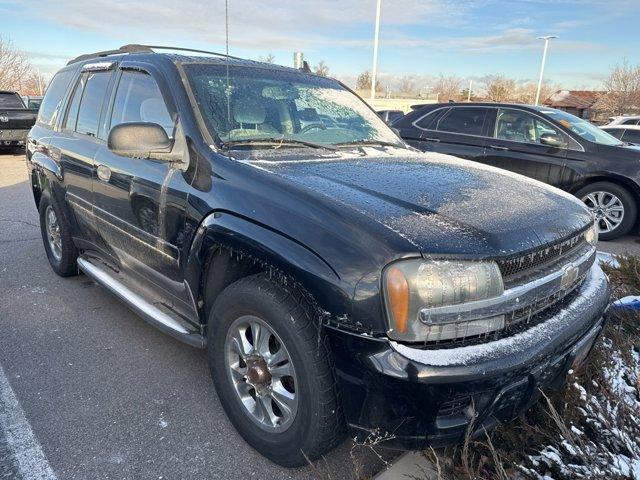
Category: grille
[455,406]
[517,321]
[515,266]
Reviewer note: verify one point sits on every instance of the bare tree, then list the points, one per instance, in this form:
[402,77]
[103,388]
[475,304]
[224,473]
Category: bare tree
[270,58]
[34,83]
[447,88]
[526,93]
[321,69]
[363,82]
[407,86]
[500,88]
[14,66]
[622,90]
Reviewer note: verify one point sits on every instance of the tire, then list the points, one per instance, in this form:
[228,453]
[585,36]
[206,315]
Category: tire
[316,426]
[591,195]
[63,256]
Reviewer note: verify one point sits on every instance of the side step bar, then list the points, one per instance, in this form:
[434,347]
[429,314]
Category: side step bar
[139,305]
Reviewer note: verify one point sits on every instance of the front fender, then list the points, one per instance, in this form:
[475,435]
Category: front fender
[274,251]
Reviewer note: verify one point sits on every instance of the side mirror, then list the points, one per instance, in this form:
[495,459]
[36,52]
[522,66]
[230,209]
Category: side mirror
[553,140]
[139,140]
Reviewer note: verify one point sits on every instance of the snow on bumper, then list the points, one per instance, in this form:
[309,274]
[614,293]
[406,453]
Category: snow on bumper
[555,334]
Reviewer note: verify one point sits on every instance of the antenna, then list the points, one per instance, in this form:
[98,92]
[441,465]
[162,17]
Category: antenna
[228,89]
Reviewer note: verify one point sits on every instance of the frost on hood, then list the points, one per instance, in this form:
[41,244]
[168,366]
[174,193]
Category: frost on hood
[438,203]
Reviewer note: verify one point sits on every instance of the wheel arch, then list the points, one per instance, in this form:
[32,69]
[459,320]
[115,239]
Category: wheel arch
[228,247]
[626,183]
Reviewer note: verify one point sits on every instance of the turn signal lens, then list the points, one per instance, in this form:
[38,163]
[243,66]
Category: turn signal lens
[398,299]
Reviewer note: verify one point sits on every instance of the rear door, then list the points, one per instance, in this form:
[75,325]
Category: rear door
[140,203]
[456,130]
[78,142]
[514,145]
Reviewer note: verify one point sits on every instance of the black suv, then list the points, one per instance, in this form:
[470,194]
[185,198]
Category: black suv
[549,145]
[336,277]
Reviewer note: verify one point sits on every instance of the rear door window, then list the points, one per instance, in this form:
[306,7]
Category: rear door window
[463,120]
[10,100]
[631,136]
[616,132]
[138,99]
[72,111]
[93,97]
[52,102]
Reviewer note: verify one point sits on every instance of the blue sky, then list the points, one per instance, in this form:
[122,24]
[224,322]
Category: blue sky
[467,38]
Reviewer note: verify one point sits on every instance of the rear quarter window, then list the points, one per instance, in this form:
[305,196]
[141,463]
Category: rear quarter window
[52,102]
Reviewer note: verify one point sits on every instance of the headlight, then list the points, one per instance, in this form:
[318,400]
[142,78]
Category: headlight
[591,235]
[413,287]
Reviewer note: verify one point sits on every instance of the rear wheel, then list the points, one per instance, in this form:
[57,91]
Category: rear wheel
[272,371]
[614,208]
[56,235]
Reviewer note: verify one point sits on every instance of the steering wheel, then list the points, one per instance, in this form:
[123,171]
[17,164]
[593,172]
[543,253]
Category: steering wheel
[317,126]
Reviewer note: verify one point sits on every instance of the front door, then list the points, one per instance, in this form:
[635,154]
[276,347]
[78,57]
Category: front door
[140,202]
[515,145]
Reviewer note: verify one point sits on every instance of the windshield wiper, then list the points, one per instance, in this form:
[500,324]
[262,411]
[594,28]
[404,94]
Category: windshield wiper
[357,143]
[277,142]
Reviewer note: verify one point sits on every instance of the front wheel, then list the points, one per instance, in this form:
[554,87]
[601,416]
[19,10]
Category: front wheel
[613,206]
[272,371]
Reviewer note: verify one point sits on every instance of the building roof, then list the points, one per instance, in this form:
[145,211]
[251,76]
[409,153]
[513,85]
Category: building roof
[573,98]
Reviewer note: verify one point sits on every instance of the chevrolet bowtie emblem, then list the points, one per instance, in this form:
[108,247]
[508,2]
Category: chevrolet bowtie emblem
[569,276]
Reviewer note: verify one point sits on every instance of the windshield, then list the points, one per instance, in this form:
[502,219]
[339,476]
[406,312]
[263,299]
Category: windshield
[10,100]
[584,128]
[275,105]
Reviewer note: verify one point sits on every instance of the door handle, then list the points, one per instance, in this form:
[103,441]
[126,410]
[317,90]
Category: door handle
[498,147]
[104,173]
[437,140]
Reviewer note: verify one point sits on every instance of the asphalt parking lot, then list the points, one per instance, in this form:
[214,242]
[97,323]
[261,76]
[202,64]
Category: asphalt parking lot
[106,395]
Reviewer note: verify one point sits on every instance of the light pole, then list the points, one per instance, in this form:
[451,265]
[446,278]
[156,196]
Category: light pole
[375,51]
[544,59]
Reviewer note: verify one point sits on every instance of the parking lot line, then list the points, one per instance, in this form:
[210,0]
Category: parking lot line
[31,461]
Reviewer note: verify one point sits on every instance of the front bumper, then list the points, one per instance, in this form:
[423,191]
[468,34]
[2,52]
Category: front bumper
[428,397]
[13,137]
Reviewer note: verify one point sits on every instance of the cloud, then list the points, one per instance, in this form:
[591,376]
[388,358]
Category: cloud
[286,24]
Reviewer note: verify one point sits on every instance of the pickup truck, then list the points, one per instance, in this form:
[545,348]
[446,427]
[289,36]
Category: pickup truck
[337,278]
[15,119]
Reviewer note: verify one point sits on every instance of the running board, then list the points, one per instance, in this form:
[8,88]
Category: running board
[139,305]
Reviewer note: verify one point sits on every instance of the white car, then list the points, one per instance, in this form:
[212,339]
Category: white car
[624,120]
[625,132]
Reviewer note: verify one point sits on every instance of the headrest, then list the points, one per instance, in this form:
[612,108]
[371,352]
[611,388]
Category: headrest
[249,111]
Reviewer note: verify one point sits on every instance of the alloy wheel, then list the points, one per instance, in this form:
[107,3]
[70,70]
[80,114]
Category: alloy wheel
[262,374]
[607,209]
[53,233]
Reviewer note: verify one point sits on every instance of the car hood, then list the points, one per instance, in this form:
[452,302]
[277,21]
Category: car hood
[437,203]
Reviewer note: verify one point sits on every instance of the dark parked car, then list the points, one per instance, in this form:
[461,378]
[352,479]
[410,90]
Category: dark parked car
[625,133]
[336,277]
[15,119]
[542,143]
[390,116]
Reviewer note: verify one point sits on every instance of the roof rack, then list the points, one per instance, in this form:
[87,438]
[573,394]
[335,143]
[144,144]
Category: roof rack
[137,48]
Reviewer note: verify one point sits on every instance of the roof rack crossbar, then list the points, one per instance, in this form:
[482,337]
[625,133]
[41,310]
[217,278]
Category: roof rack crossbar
[137,48]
